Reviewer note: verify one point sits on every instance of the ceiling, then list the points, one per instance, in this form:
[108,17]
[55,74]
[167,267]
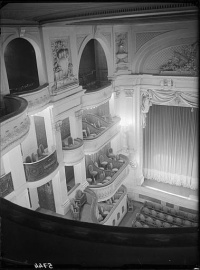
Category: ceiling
[59,13]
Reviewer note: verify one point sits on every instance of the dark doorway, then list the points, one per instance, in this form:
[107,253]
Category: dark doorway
[46,197]
[21,66]
[70,180]
[93,70]
[40,131]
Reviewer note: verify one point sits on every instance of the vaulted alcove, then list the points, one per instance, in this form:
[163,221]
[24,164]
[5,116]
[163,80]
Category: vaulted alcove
[93,69]
[21,66]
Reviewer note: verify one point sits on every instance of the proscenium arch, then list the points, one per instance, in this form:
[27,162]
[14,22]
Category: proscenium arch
[40,67]
[163,41]
[103,42]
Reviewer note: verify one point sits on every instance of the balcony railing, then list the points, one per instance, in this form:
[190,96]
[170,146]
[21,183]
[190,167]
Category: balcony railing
[37,98]
[106,190]
[37,170]
[6,185]
[73,153]
[15,122]
[99,136]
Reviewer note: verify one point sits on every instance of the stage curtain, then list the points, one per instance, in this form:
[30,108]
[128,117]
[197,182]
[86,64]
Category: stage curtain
[170,143]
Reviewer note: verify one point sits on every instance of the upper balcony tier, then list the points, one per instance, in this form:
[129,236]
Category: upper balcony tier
[105,187]
[97,96]
[38,99]
[97,132]
[72,151]
[43,168]
[15,122]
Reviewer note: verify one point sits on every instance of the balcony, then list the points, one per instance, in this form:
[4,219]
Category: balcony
[41,168]
[72,153]
[95,138]
[15,122]
[97,96]
[38,99]
[105,191]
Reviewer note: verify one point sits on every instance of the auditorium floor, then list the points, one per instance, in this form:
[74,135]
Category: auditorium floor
[170,189]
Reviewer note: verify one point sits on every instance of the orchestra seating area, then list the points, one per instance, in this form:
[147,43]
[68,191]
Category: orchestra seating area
[158,216]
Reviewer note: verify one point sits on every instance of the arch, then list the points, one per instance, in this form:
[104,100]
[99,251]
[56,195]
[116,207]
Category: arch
[169,39]
[105,47]
[39,59]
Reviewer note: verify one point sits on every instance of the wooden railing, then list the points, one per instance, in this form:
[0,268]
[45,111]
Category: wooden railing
[88,244]
[38,170]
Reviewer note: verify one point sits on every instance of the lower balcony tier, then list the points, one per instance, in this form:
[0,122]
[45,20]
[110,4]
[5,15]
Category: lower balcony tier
[42,168]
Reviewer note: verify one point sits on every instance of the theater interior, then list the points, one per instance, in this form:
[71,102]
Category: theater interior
[99,135]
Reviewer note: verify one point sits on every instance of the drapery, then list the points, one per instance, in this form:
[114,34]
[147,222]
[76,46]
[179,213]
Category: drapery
[171,145]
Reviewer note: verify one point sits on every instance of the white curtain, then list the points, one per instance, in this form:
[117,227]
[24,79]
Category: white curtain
[171,145]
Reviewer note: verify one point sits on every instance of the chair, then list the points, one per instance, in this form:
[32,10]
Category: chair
[130,205]
[149,204]
[173,212]
[146,210]
[70,141]
[141,217]
[75,211]
[119,159]
[190,216]
[153,213]
[178,221]
[138,224]
[39,152]
[102,161]
[145,226]
[84,133]
[96,164]
[182,214]
[158,223]
[28,159]
[92,172]
[110,153]
[187,223]
[166,225]
[150,221]
[110,167]
[161,216]
[89,180]
[165,209]
[169,218]
[41,147]
[33,157]
[89,134]
[158,207]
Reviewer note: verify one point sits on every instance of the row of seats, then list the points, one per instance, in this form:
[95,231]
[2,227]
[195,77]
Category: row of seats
[159,223]
[35,157]
[150,209]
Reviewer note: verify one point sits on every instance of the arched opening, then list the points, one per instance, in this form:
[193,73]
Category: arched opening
[21,66]
[93,69]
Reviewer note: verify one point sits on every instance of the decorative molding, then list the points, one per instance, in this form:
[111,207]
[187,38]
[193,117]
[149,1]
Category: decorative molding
[22,32]
[107,35]
[121,48]
[167,84]
[6,185]
[15,132]
[117,92]
[142,38]
[184,61]
[129,92]
[79,41]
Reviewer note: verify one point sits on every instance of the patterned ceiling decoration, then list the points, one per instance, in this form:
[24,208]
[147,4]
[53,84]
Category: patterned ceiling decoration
[157,62]
[142,38]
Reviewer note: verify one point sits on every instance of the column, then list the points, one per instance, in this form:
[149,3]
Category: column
[80,173]
[78,115]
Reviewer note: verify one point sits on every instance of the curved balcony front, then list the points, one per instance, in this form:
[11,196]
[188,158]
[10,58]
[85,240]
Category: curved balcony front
[74,153]
[15,123]
[97,97]
[93,144]
[38,99]
[106,190]
[43,169]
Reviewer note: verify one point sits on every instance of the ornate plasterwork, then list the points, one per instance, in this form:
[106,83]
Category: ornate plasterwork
[167,84]
[62,63]
[79,113]
[14,132]
[121,48]
[185,61]
[117,92]
[57,125]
